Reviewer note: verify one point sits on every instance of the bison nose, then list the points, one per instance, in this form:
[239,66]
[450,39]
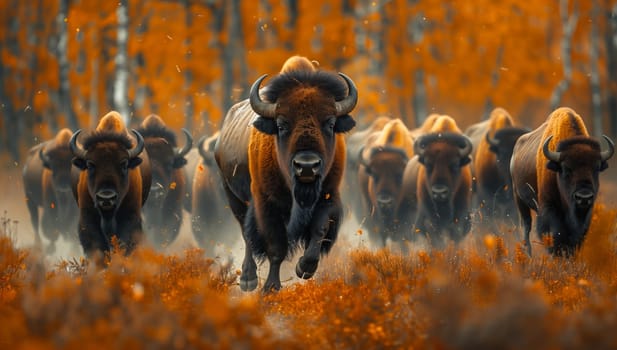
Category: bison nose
[440,192]
[584,198]
[157,190]
[306,166]
[384,199]
[106,199]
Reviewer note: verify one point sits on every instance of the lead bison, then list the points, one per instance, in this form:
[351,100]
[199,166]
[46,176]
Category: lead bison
[282,160]
[163,211]
[47,185]
[555,172]
[493,141]
[113,184]
[384,157]
[440,176]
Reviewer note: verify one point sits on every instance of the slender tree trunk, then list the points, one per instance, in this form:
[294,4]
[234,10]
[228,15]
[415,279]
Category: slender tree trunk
[7,111]
[232,54]
[63,63]
[596,92]
[121,97]
[419,97]
[610,39]
[188,73]
[568,24]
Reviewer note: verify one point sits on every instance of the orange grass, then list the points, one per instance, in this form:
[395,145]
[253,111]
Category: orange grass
[486,293]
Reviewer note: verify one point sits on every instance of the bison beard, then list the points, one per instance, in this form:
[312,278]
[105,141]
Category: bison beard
[305,197]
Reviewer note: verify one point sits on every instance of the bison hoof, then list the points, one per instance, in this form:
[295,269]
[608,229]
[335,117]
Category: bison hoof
[304,269]
[248,285]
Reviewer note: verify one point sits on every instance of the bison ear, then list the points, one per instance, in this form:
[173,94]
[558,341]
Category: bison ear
[79,163]
[179,162]
[344,123]
[465,160]
[265,125]
[134,162]
[554,166]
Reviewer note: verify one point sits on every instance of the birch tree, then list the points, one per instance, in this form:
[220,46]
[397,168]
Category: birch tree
[121,98]
[568,25]
[64,91]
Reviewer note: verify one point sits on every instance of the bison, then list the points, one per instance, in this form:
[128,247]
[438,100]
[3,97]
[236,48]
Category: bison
[441,175]
[555,172]
[383,159]
[282,160]
[111,188]
[47,185]
[355,142]
[210,216]
[162,212]
[493,141]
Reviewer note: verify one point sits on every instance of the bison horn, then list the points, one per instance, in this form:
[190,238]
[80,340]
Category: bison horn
[550,155]
[135,151]
[264,109]
[361,159]
[348,103]
[187,146]
[419,146]
[491,141]
[607,154]
[200,147]
[43,156]
[466,148]
[77,151]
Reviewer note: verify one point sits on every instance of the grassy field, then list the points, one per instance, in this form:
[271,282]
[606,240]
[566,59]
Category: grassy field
[484,293]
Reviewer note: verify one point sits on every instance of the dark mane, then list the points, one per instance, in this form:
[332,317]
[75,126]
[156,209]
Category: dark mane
[107,136]
[510,132]
[585,140]
[447,137]
[158,131]
[325,81]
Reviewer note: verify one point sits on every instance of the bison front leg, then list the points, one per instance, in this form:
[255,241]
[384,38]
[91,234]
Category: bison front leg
[248,278]
[323,232]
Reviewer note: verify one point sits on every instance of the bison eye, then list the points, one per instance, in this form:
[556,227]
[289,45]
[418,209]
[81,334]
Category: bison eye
[90,165]
[283,126]
[330,123]
[124,165]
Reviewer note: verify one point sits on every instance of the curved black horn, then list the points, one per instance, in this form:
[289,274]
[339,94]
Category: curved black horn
[361,157]
[550,155]
[348,103]
[200,147]
[77,151]
[607,154]
[264,109]
[43,156]
[187,145]
[419,146]
[135,151]
[466,147]
[491,141]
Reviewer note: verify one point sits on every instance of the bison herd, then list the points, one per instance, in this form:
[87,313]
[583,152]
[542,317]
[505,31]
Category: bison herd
[285,165]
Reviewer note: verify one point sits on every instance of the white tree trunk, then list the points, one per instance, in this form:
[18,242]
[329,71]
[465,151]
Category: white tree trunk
[568,23]
[121,98]
[596,92]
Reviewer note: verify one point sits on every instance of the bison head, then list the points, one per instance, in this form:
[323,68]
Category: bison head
[385,167]
[304,111]
[165,159]
[443,155]
[502,144]
[107,157]
[577,162]
[57,159]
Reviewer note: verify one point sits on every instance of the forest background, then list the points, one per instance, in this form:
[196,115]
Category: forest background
[65,63]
